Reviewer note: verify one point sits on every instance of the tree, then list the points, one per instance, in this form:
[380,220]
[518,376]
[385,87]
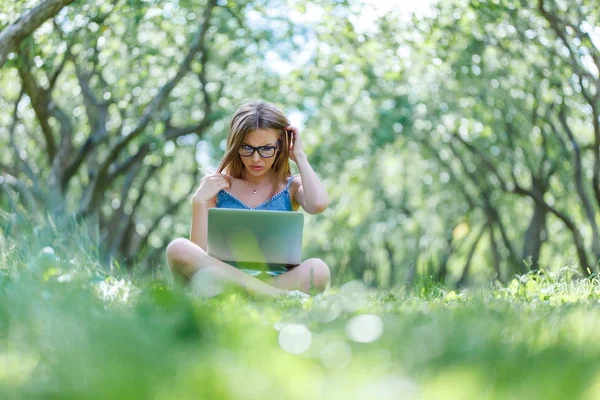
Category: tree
[515,81]
[13,34]
[110,102]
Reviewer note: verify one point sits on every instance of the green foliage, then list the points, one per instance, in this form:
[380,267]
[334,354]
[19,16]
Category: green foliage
[422,127]
[462,107]
[68,332]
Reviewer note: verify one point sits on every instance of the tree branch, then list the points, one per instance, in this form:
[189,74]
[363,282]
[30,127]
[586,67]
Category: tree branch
[115,227]
[587,205]
[495,253]
[39,102]
[169,210]
[11,131]
[463,278]
[13,34]
[573,55]
[488,208]
[198,45]
[464,192]
[577,238]
[125,228]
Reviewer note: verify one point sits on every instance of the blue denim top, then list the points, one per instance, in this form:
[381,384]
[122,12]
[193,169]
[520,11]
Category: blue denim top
[280,202]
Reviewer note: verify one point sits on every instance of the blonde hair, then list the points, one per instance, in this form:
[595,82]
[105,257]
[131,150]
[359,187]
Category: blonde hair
[252,115]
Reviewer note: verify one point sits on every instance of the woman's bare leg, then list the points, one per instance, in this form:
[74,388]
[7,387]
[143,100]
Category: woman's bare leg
[185,258]
[313,272]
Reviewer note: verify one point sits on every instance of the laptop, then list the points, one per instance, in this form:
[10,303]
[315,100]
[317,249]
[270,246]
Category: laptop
[256,240]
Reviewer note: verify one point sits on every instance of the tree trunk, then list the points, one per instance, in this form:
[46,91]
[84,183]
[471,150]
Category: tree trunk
[390,256]
[443,269]
[465,273]
[535,236]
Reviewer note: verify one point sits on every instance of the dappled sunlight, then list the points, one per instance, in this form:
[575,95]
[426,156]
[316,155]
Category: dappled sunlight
[16,367]
[114,290]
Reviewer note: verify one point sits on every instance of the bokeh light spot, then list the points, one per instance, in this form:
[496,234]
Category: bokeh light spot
[295,338]
[364,328]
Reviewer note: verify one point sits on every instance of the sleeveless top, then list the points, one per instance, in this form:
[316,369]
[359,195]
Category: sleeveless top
[282,201]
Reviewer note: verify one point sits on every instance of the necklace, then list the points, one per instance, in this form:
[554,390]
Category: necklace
[256,190]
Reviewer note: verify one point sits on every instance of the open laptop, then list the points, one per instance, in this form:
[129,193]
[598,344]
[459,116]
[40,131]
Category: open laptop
[255,240]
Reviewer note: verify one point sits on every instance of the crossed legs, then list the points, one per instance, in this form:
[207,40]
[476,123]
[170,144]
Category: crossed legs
[185,259]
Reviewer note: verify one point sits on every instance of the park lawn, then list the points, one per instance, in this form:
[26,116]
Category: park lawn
[68,332]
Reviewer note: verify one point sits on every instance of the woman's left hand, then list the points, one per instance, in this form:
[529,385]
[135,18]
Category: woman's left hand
[296,148]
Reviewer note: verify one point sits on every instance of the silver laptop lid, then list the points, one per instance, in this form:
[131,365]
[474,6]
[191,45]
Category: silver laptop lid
[255,236]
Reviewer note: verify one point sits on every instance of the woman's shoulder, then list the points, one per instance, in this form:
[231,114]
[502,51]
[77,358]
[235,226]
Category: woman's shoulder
[295,179]
[235,180]
[294,182]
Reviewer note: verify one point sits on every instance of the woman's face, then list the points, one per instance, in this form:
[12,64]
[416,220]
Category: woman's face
[255,164]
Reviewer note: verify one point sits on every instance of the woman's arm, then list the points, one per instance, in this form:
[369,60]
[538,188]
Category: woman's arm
[311,194]
[199,232]
[205,198]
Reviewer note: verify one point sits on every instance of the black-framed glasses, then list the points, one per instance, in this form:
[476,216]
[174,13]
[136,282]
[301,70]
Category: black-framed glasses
[264,151]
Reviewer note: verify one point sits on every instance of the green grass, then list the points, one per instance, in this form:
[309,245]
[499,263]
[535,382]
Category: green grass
[69,330]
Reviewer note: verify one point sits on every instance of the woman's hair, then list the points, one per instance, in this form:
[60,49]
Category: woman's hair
[252,115]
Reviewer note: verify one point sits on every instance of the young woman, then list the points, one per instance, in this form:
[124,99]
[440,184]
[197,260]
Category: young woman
[254,174]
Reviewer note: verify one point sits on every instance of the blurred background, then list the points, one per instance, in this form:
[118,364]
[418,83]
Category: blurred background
[458,140]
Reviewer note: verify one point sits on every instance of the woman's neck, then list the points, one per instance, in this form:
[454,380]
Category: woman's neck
[257,181]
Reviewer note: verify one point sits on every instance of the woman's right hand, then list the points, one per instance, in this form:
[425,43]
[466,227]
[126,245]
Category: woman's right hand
[210,186]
